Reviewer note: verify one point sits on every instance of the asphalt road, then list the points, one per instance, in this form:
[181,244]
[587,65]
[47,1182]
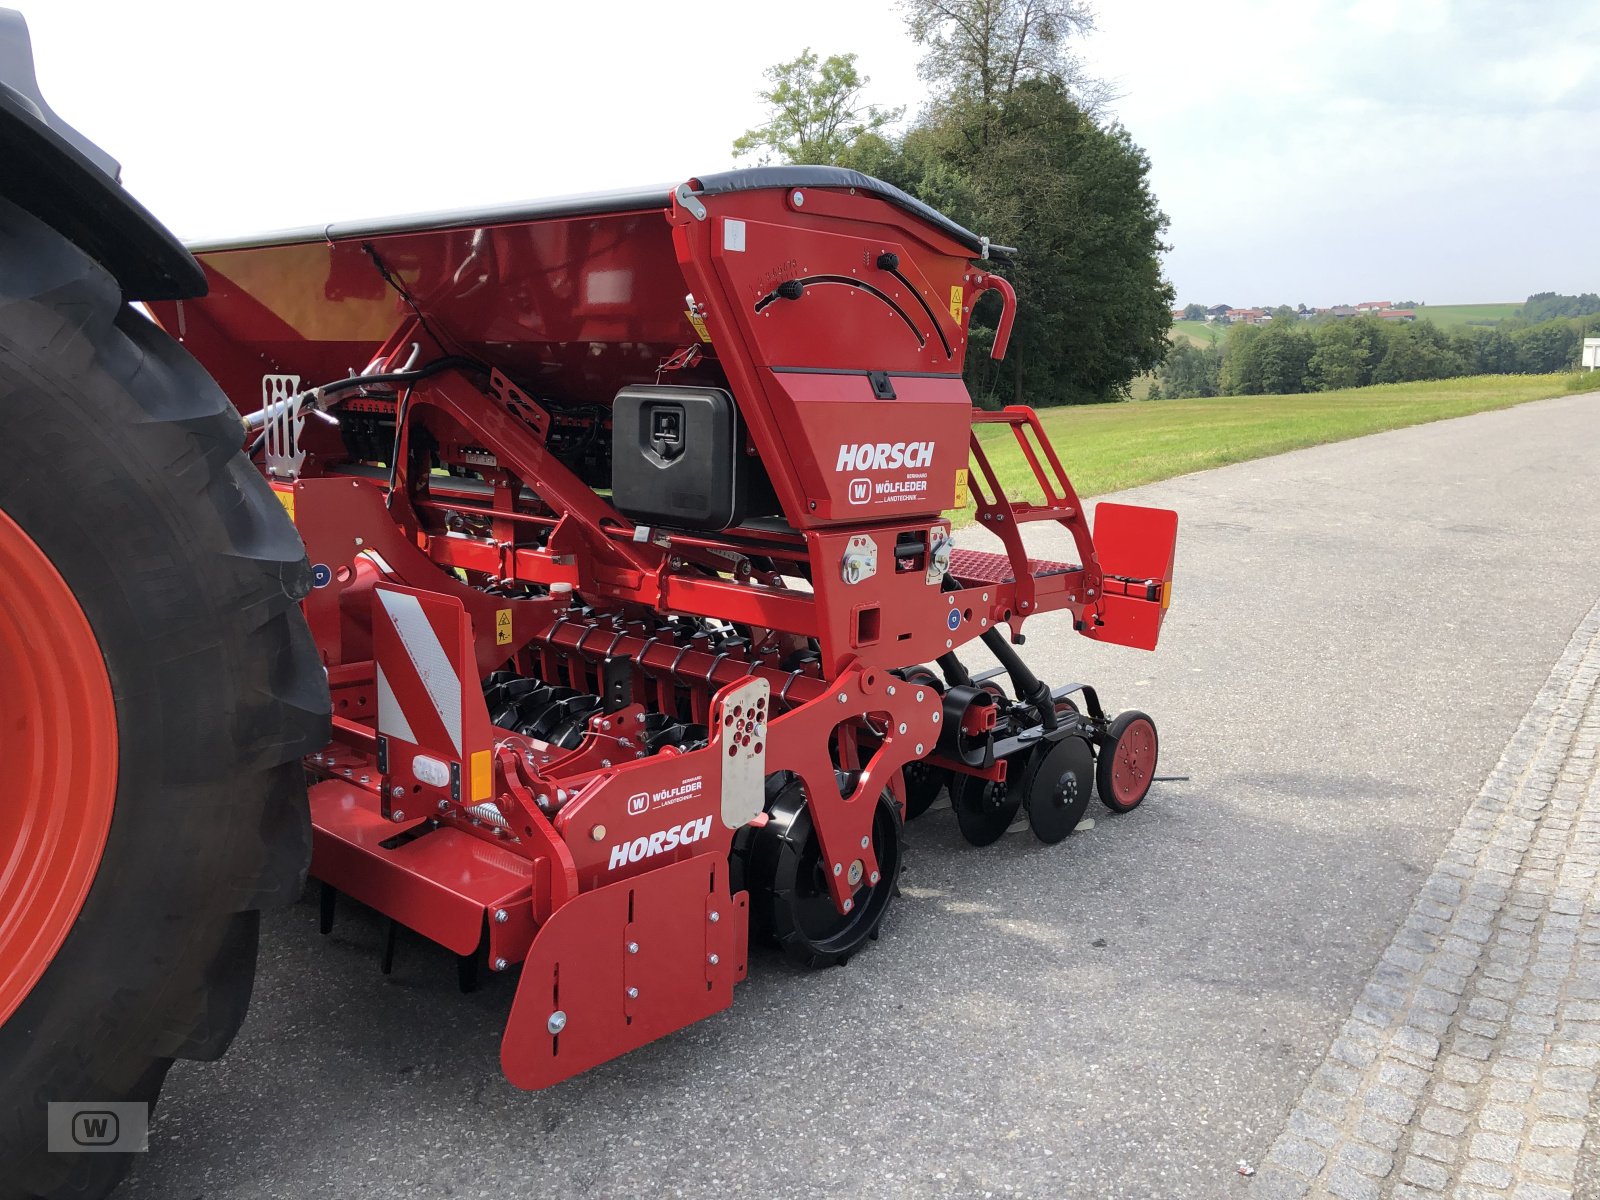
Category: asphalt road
[1356,631]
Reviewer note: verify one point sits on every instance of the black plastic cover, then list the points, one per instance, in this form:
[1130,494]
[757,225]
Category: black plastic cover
[677,457]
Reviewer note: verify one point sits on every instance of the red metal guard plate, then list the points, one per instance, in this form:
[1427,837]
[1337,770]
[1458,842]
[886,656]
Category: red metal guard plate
[580,966]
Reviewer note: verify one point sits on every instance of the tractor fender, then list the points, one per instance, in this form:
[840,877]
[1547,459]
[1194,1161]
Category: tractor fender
[65,180]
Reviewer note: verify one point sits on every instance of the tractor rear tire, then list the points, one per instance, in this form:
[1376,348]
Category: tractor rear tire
[124,494]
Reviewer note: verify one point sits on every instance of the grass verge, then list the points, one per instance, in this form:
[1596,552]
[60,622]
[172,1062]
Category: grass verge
[1107,447]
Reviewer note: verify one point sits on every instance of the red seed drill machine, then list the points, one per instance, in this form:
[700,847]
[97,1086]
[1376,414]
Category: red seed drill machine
[624,514]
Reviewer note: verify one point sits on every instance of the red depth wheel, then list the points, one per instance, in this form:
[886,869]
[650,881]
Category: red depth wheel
[58,774]
[1127,762]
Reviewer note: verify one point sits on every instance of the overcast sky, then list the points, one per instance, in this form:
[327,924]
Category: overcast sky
[1315,151]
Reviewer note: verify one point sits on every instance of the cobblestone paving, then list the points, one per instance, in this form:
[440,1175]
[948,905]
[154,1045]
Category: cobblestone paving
[1468,1066]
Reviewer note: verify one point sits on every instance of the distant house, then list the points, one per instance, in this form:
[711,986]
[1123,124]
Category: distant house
[1342,310]
[1177,314]
[1248,316]
[1373,306]
[1397,314]
[1217,311]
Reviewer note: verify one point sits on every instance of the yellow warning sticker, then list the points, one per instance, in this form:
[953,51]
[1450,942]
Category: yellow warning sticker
[502,627]
[956,297]
[699,324]
[961,488]
[482,776]
[286,498]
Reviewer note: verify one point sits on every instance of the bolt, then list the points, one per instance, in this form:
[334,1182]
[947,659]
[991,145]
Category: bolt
[633,947]
[501,916]
[920,696]
[366,779]
[849,904]
[633,993]
[838,868]
[857,869]
[935,718]
[398,815]
[605,762]
[865,843]
[444,806]
[557,1022]
[598,833]
[874,877]
[500,964]
[714,916]
[891,689]
[920,750]
[638,718]
[984,622]
[948,643]
[349,773]
[397,792]
[902,727]
[799,198]
[713,960]
[843,698]
[561,795]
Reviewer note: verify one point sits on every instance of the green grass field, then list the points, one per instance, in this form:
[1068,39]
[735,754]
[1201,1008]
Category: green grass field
[1198,332]
[1107,447]
[1453,316]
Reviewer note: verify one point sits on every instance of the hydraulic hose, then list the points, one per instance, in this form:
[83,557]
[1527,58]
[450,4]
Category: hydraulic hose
[1029,687]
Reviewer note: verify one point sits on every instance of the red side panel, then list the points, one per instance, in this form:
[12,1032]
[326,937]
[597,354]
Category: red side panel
[864,459]
[585,997]
[1135,547]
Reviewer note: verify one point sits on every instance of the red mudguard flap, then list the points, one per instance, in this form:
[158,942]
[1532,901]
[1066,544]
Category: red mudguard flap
[585,998]
[1135,547]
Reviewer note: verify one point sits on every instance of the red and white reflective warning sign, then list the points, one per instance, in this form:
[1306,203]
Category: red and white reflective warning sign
[430,705]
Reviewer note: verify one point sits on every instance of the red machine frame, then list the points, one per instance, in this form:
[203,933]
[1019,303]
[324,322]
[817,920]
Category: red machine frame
[837,318]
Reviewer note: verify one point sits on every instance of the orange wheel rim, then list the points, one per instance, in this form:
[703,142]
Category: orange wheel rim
[58,762]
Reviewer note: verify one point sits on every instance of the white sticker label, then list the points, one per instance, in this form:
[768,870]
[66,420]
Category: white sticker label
[733,235]
[659,842]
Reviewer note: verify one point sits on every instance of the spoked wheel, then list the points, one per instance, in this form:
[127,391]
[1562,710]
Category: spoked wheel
[789,898]
[1056,787]
[1127,762]
[985,808]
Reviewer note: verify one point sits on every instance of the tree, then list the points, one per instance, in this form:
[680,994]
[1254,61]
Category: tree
[981,51]
[1194,312]
[1093,310]
[1343,354]
[816,113]
[1542,306]
[1551,346]
[1190,371]
[1419,351]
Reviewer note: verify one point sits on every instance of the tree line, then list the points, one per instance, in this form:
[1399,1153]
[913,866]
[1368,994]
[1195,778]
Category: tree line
[1012,142]
[1317,356]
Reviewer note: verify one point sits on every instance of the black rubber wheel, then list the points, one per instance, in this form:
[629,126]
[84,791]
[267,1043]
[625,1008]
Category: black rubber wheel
[790,905]
[1128,755]
[120,460]
[1056,788]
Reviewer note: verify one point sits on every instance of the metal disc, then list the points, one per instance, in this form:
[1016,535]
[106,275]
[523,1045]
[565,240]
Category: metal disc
[924,782]
[1059,783]
[984,807]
